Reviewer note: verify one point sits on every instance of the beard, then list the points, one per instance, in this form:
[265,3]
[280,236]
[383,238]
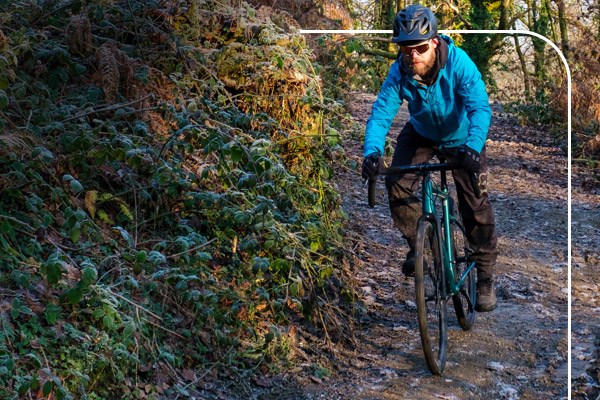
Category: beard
[422,68]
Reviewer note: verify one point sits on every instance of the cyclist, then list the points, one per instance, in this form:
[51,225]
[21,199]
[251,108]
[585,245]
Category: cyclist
[449,112]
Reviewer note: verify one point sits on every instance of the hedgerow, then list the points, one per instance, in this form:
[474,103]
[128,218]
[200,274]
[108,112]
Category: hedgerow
[166,207]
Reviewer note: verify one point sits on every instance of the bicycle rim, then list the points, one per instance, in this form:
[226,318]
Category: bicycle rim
[464,301]
[431,297]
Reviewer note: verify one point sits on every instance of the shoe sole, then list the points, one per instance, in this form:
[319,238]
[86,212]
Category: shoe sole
[480,308]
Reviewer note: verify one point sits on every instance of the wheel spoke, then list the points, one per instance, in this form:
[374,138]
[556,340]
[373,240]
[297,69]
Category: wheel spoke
[431,302]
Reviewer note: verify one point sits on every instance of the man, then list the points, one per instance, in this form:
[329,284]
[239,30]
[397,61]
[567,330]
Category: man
[450,112]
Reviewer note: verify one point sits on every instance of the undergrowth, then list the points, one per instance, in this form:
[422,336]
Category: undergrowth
[166,212]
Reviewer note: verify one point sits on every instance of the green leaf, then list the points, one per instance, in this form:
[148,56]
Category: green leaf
[47,388]
[7,228]
[260,264]
[128,329]
[141,256]
[279,62]
[75,233]
[269,337]
[20,91]
[89,275]
[98,313]
[42,152]
[156,257]
[21,278]
[322,372]
[16,308]
[23,388]
[80,69]
[35,384]
[74,295]
[236,153]
[108,321]
[54,271]
[76,187]
[125,235]
[52,312]
[26,310]
[204,256]
[35,359]
[241,217]
[247,180]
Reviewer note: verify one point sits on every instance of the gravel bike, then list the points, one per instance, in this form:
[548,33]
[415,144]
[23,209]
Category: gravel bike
[443,266]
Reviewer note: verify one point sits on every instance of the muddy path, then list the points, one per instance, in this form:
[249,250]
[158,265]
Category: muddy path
[585,283]
[519,351]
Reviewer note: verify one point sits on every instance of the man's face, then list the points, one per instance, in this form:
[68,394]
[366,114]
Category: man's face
[420,63]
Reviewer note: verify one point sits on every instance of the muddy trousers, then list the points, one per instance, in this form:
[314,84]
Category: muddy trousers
[477,214]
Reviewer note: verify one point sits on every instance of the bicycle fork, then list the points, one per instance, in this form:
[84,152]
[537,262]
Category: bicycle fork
[454,284]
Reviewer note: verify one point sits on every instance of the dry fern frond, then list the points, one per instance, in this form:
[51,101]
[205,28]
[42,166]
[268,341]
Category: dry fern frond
[91,196]
[591,148]
[117,71]
[109,70]
[3,39]
[12,141]
[79,35]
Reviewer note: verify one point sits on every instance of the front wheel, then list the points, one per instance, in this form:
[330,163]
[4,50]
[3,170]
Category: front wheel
[430,288]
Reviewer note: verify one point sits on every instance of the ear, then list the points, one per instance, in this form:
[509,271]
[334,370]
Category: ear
[435,42]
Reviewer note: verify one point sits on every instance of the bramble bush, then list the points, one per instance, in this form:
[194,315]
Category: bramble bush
[160,221]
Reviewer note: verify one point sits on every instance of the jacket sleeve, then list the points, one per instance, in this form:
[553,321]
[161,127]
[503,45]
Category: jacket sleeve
[383,112]
[475,99]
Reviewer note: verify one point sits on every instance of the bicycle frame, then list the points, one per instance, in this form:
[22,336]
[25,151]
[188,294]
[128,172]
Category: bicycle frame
[443,224]
[437,222]
[429,192]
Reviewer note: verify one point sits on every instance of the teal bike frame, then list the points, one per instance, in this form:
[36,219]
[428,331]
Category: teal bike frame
[447,263]
[429,193]
[443,224]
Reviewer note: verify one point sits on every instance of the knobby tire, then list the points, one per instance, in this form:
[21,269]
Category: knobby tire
[430,291]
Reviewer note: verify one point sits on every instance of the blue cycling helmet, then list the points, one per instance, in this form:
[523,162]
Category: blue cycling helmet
[414,24]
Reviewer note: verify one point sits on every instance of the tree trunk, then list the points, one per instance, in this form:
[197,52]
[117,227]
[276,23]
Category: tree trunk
[497,40]
[539,25]
[505,7]
[551,20]
[386,16]
[564,32]
[523,63]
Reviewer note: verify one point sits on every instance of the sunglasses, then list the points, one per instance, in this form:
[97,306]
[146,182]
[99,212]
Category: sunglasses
[407,50]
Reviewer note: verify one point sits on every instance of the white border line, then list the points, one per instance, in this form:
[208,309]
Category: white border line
[568,70]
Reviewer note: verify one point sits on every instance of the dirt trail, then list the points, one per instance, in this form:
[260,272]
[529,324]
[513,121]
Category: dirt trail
[519,351]
[585,283]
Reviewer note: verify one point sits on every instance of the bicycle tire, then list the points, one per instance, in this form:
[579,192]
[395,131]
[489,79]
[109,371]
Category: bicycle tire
[463,306]
[430,288]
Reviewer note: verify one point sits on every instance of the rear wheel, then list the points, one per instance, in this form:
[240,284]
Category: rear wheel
[431,296]
[464,300]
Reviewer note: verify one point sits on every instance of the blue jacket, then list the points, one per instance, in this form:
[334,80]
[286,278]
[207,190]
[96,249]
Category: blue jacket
[452,111]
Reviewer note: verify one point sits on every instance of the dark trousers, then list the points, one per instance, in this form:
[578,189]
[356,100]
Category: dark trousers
[477,214]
